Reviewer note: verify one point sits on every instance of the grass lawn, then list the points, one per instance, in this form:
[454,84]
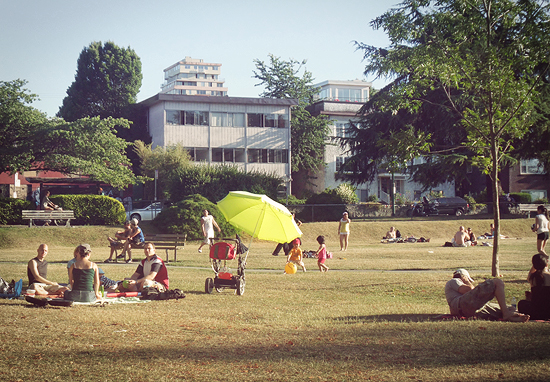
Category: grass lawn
[371,317]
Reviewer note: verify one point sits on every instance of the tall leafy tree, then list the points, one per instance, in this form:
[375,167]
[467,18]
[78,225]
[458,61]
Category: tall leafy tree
[289,79]
[107,80]
[484,56]
[31,141]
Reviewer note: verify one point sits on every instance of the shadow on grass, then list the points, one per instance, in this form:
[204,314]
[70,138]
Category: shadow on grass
[389,317]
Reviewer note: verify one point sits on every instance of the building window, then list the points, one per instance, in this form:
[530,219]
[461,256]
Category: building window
[267,120]
[342,129]
[531,167]
[267,156]
[536,194]
[195,118]
[228,119]
[339,162]
[173,117]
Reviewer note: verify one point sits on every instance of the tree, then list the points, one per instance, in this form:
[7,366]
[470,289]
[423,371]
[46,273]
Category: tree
[282,79]
[485,57]
[107,80]
[86,147]
[167,161]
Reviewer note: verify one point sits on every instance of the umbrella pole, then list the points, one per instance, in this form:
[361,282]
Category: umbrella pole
[255,229]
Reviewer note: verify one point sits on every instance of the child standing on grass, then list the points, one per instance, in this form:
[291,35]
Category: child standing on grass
[321,254]
[295,254]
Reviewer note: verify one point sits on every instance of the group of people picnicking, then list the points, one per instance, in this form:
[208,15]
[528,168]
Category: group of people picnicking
[86,278]
[464,299]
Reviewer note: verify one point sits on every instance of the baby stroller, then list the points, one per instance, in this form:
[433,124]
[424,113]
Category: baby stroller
[223,251]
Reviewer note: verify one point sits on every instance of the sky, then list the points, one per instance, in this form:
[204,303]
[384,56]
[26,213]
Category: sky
[40,41]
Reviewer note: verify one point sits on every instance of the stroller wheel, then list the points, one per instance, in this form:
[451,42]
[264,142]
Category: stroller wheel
[219,289]
[209,285]
[240,286]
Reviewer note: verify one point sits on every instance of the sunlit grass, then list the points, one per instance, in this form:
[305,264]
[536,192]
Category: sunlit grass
[373,316]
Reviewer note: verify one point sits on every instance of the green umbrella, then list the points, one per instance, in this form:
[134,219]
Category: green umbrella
[259,216]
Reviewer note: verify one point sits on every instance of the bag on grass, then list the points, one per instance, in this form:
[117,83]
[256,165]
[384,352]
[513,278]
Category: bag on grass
[329,255]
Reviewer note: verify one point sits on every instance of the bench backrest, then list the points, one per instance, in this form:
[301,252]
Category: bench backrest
[163,240]
[38,214]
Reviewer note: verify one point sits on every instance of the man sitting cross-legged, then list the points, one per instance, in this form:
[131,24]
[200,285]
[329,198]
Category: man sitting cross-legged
[37,271]
[151,272]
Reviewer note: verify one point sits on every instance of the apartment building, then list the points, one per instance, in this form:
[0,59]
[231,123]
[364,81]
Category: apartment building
[192,76]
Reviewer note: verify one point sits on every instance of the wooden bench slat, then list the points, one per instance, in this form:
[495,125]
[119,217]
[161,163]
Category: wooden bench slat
[47,215]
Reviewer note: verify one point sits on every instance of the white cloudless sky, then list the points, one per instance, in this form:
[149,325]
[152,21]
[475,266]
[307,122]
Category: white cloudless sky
[40,41]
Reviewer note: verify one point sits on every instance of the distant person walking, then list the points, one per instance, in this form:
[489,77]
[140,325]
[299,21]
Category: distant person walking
[541,228]
[343,231]
[207,225]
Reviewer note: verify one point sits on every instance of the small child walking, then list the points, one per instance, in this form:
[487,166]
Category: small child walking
[295,254]
[321,254]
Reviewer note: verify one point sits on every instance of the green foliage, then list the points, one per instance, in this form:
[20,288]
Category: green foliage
[92,209]
[486,58]
[107,80]
[373,198]
[10,210]
[185,217]
[402,200]
[215,182]
[291,201]
[282,79]
[521,197]
[340,196]
[541,201]
[86,147]
[167,161]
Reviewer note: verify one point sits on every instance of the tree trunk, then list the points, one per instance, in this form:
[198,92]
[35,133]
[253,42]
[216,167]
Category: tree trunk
[496,210]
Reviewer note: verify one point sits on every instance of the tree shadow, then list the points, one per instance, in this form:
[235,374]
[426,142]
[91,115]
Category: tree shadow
[390,318]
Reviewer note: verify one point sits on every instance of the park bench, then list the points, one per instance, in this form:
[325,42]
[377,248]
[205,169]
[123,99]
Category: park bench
[526,209]
[166,241]
[56,216]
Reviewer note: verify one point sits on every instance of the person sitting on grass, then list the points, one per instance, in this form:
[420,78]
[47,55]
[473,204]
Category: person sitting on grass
[37,271]
[108,284]
[150,273]
[136,239]
[465,300]
[119,240]
[471,237]
[83,277]
[295,254]
[391,234]
[322,254]
[536,300]
[461,238]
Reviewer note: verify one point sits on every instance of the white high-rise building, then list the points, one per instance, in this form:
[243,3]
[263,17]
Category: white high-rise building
[192,76]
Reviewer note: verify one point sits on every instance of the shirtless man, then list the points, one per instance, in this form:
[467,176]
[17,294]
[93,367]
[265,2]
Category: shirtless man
[461,238]
[37,271]
[466,300]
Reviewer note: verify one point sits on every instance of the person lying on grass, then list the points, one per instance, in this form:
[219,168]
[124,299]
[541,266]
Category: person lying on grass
[465,300]
[37,271]
[150,273]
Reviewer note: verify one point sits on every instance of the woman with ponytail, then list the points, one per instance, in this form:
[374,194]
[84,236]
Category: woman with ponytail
[541,228]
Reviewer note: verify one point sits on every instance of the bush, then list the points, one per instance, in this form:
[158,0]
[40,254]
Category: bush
[215,182]
[521,197]
[185,217]
[10,210]
[291,201]
[341,195]
[541,201]
[92,209]
[373,198]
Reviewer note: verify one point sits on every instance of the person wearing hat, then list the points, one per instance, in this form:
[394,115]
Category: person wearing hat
[468,301]
[37,271]
[83,277]
[108,284]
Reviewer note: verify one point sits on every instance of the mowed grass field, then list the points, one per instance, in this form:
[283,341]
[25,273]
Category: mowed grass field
[373,316]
